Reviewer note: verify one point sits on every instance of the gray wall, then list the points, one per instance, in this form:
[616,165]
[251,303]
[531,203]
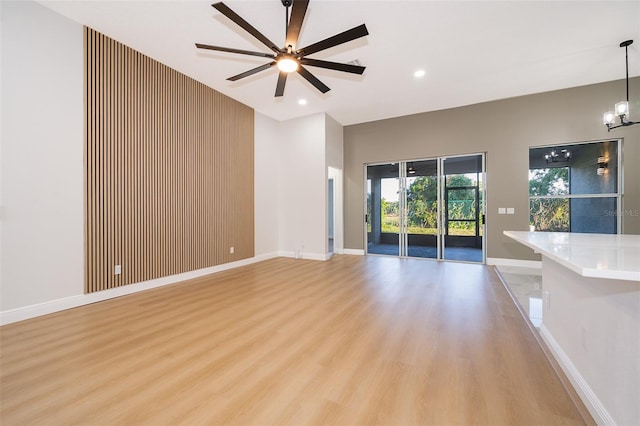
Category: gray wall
[505,130]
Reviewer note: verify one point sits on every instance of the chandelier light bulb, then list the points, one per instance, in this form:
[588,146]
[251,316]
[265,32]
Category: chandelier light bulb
[609,117]
[622,108]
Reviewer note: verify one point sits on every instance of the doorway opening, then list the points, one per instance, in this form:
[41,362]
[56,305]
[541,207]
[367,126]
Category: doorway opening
[334,225]
[331,217]
[432,208]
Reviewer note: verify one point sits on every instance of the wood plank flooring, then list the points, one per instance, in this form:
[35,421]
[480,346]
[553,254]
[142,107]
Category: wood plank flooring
[355,340]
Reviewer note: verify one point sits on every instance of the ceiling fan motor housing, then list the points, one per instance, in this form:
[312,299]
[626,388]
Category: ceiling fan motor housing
[287,3]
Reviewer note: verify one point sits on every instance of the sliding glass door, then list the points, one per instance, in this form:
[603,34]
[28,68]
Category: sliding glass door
[429,208]
[383,209]
[422,209]
[463,204]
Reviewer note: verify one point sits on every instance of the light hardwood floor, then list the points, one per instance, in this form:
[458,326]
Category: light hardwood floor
[355,340]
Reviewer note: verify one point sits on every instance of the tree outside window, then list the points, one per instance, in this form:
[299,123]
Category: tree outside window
[549,214]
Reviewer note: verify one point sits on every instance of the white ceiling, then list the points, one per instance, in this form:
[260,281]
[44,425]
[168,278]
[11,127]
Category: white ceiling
[472,51]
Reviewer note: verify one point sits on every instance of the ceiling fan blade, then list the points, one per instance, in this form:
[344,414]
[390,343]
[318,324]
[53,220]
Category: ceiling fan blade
[252,71]
[352,34]
[226,11]
[295,22]
[312,79]
[354,69]
[282,79]
[230,50]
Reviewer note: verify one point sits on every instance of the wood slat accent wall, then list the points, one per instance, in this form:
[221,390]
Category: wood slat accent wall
[168,170]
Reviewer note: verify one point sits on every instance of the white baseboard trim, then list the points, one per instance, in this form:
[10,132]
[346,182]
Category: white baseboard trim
[52,306]
[588,397]
[315,256]
[498,261]
[283,253]
[304,255]
[355,252]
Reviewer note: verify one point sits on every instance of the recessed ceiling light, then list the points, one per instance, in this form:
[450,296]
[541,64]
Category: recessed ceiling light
[302,102]
[419,73]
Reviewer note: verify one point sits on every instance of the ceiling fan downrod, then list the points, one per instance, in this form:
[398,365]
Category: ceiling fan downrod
[287,4]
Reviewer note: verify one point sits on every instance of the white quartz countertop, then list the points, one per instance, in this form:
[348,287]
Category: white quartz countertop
[590,255]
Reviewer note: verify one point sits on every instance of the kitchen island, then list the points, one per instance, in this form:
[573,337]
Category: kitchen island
[591,316]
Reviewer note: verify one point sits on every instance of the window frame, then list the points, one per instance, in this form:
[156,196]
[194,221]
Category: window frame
[618,195]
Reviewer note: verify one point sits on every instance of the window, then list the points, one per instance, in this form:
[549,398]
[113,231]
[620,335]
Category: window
[575,188]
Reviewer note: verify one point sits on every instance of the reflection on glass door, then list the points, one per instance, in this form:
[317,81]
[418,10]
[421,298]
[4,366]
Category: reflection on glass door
[427,208]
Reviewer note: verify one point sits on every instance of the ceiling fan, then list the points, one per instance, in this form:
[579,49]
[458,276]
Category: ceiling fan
[290,58]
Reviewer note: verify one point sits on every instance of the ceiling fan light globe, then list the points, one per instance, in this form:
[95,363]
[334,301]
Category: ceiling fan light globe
[287,64]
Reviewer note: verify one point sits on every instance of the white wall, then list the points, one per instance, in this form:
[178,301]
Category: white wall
[266,187]
[302,186]
[335,166]
[334,143]
[42,156]
[305,153]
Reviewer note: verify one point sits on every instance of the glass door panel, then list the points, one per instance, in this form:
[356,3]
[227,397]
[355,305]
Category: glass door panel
[463,205]
[383,209]
[428,208]
[422,208]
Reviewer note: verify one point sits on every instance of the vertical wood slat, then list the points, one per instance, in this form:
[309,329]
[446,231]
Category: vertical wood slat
[168,170]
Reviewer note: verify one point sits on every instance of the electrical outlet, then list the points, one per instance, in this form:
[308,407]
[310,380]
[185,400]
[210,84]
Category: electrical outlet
[232,250]
[511,210]
[117,270]
[502,210]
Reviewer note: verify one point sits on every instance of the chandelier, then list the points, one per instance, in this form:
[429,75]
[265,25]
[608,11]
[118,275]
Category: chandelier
[621,109]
